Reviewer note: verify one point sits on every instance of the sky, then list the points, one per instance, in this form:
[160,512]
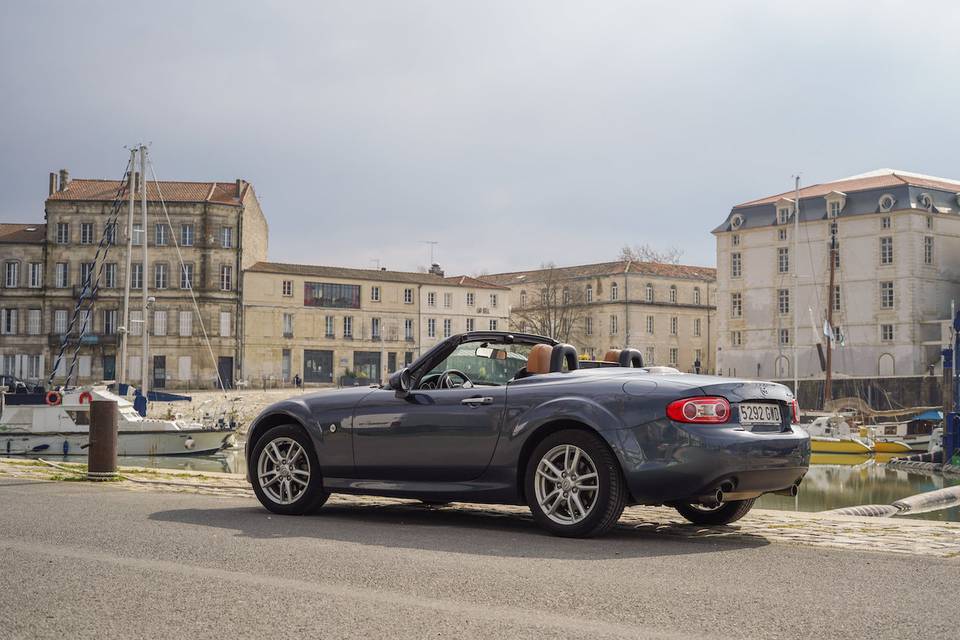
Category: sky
[511,133]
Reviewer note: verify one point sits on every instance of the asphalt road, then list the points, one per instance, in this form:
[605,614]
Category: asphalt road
[83,561]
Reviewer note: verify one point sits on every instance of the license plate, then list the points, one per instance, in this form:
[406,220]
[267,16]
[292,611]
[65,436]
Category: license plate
[759,413]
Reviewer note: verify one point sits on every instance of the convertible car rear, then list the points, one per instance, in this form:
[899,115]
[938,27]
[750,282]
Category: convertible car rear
[515,418]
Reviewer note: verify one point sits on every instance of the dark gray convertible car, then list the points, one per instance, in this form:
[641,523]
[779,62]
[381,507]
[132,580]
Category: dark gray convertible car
[514,418]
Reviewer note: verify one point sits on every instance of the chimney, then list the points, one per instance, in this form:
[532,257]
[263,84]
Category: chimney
[53,183]
[64,179]
[239,187]
[435,269]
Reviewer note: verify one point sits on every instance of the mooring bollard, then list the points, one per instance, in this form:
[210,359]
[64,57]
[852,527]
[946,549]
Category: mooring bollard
[102,452]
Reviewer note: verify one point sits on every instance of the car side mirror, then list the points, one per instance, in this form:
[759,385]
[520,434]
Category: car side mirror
[401,382]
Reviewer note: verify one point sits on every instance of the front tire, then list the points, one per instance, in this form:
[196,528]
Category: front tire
[724,513]
[573,485]
[285,472]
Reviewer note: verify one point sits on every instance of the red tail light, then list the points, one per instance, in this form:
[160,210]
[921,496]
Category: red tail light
[705,409]
[795,412]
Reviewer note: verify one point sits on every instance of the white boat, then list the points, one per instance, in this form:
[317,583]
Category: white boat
[914,433]
[29,425]
[833,434]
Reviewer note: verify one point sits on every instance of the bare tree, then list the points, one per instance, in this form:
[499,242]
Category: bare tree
[551,306]
[647,253]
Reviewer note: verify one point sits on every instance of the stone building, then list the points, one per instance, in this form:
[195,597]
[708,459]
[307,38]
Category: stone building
[328,322]
[23,342]
[897,272]
[667,311]
[220,230]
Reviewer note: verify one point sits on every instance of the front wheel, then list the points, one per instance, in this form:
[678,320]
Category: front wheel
[723,513]
[574,486]
[285,472]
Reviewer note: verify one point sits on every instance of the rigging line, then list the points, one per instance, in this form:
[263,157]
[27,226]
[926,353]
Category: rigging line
[84,291]
[193,296]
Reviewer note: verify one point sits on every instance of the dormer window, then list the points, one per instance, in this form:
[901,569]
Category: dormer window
[886,202]
[834,209]
[737,220]
[783,215]
[925,200]
[835,201]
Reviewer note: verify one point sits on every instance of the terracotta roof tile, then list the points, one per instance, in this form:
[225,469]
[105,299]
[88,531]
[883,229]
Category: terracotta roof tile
[172,191]
[383,275]
[468,281]
[15,233]
[892,179]
[660,269]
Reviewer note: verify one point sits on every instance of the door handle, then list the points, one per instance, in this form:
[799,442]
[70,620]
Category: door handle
[477,400]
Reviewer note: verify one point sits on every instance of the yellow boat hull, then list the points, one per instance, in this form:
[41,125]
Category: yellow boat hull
[891,446]
[836,445]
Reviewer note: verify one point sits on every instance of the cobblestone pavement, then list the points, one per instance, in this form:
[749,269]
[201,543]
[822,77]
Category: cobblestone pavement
[885,535]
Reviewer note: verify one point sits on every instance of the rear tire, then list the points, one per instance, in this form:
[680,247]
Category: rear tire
[573,485]
[285,472]
[725,513]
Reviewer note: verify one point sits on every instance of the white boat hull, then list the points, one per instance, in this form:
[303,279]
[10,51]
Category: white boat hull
[144,443]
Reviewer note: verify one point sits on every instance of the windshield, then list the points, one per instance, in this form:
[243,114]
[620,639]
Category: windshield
[486,363]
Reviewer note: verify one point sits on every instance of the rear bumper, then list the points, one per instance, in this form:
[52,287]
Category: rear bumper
[667,462]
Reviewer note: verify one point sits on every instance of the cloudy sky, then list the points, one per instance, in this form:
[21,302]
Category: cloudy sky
[512,133]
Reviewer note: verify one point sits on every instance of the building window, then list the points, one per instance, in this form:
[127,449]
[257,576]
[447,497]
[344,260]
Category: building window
[783,260]
[886,332]
[109,321]
[341,296]
[836,256]
[471,324]
[674,356]
[614,291]
[736,338]
[783,215]
[834,208]
[287,288]
[328,326]
[288,325]
[783,301]
[34,317]
[929,222]
[886,250]
[614,328]
[226,322]
[784,336]
[8,321]
[137,236]
[375,328]
[160,235]
[696,295]
[588,325]
[86,274]
[226,237]
[11,275]
[60,321]
[886,295]
[566,295]
[110,231]
[160,276]
[408,296]
[186,275]
[348,326]
[928,250]
[63,233]
[136,275]
[36,275]
[471,299]
[735,240]
[736,265]
[408,329]
[431,299]
[447,327]
[186,235]
[375,294]
[650,356]
[696,327]
[650,324]
[673,293]
[589,293]
[431,328]
[110,275]
[136,325]
[61,275]
[86,233]
[885,222]
[159,323]
[447,300]
[523,298]
[781,234]
[493,300]
[674,322]
[226,278]
[186,323]
[736,305]
[493,325]
[836,297]
[648,294]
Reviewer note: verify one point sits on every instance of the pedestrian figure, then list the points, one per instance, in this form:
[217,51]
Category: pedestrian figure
[297,382]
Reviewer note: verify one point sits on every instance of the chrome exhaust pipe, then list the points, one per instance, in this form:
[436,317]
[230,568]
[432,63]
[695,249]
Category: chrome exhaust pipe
[791,491]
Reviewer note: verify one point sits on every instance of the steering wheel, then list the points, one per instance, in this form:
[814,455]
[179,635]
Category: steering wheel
[446,383]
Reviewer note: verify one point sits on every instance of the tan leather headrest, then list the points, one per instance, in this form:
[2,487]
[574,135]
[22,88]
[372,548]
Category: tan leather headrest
[613,355]
[539,359]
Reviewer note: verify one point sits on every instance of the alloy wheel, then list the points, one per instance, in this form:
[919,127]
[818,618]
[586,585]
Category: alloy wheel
[283,470]
[566,484]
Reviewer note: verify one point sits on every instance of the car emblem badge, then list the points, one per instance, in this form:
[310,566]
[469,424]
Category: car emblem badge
[763,389]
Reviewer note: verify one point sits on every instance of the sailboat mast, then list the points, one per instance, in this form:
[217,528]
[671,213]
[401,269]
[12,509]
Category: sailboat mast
[828,379]
[796,287]
[144,368]
[125,321]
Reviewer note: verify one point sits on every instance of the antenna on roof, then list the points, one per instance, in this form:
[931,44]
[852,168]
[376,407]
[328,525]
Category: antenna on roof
[377,261]
[432,244]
